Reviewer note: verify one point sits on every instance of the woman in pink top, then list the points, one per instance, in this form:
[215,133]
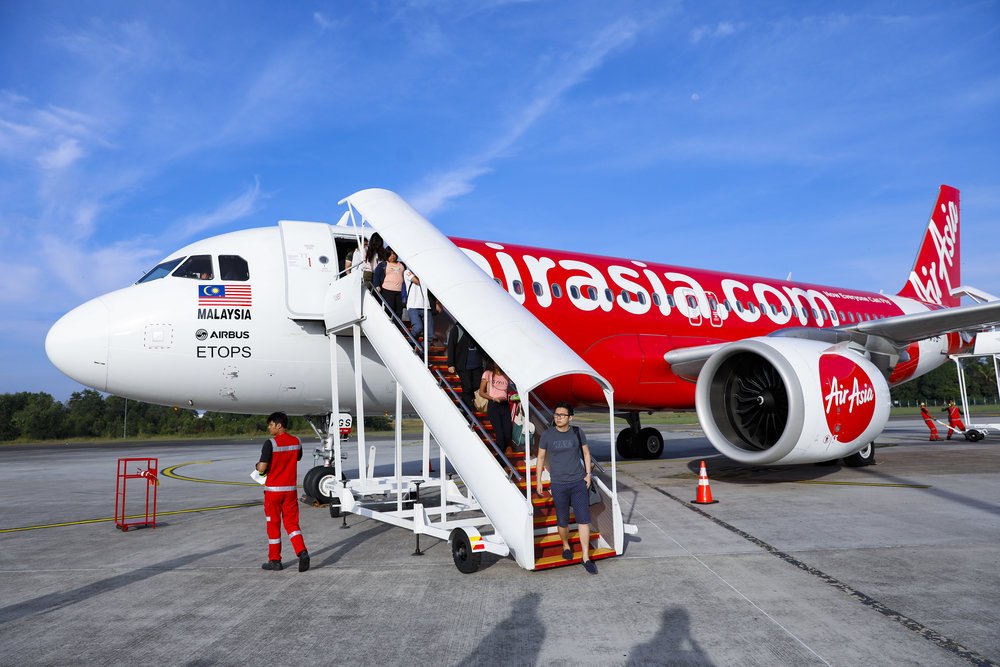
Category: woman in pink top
[495,387]
[389,281]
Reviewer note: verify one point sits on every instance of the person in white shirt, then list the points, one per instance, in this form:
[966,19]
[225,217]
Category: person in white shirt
[417,299]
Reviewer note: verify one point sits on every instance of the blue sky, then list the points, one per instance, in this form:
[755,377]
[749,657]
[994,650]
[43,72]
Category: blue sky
[763,138]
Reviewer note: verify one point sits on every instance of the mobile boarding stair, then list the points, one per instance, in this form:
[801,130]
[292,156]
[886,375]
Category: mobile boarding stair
[498,511]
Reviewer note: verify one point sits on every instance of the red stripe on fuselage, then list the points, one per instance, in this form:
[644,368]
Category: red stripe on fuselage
[624,338]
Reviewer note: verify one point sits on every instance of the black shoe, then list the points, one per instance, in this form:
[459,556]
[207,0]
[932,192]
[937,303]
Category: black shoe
[272,565]
[303,560]
[590,567]
[567,554]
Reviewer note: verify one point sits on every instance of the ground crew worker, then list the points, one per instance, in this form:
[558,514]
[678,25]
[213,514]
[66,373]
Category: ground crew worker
[279,459]
[954,418]
[929,421]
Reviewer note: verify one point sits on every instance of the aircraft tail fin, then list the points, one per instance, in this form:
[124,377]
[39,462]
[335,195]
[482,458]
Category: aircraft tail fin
[937,269]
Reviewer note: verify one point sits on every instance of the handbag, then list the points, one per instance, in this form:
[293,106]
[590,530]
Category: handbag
[593,493]
[479,403]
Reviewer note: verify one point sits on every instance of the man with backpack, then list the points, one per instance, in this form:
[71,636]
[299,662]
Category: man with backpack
[564,447]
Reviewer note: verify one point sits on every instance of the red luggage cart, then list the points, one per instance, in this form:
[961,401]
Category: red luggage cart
[145,470]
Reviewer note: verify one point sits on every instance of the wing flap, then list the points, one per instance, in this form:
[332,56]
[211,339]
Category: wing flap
[905,329]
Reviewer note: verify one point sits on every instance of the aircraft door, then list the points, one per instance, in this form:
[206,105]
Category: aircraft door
[310,260]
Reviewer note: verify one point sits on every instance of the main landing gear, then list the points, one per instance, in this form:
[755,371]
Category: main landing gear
[635,442]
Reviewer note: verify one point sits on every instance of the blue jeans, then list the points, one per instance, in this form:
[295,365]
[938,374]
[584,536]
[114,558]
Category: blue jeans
[417,320]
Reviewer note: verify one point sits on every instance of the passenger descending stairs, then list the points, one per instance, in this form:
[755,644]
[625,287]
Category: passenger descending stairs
[547,544]
[518,341]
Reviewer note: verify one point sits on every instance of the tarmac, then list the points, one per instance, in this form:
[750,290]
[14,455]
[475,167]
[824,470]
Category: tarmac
[806,565]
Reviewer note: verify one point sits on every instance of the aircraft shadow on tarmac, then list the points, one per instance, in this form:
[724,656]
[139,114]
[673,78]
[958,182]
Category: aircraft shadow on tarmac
[54,601]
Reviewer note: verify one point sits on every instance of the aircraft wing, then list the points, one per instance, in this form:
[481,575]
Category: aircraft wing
[686,362]
[904,329]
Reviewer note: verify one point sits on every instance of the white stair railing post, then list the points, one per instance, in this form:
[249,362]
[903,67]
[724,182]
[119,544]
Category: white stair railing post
[399,447]
[359,401]
[333,428]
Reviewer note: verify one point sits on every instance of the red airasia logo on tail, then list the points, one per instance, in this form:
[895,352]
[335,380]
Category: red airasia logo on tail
[848,396]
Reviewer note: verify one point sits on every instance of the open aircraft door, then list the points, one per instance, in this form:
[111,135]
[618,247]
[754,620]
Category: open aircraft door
[310,259]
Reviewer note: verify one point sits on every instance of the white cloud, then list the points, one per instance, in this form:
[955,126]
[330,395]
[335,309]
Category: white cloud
[439,189]
[236,208]
[445,187]
[65,154]
[722,29]
[323,22]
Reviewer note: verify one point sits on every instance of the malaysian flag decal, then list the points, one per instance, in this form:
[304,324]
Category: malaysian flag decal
[225,295]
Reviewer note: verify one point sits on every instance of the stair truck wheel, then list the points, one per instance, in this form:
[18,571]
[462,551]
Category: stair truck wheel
[865,457]
[648,444]
[466,561]
[318,483]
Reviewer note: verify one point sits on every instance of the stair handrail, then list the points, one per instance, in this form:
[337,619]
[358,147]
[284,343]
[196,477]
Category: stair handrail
[445,386]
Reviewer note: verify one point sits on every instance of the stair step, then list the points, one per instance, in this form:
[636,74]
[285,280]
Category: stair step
[549,519]
[558,561]
[549,544]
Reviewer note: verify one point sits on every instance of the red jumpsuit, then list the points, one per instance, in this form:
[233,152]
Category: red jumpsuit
[281,503]
[930,423]
[954,419]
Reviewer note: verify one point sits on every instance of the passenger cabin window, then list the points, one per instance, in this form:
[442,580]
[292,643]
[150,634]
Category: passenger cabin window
[609,295]
[592,293]
[556,290]
[233,267]
[536,287]
[641,298]
[160,270]
[656,298]
[574,291]
[198,267]
[626,298]
[518,288]
[670,301]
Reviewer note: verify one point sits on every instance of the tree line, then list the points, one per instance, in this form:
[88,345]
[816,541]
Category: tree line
[89,414]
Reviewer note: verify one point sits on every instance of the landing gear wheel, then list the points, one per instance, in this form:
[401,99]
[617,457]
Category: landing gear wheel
[865,457]
[648,444]
[318,483]
[625,444]
[466,561]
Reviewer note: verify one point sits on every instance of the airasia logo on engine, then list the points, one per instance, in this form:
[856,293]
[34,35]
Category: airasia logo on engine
[848,396]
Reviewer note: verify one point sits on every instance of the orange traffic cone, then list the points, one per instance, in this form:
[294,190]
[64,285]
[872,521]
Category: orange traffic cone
[704,490]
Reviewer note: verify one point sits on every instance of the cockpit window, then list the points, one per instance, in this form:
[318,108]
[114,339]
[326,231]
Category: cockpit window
[198,267]
[233,267]
[160,270]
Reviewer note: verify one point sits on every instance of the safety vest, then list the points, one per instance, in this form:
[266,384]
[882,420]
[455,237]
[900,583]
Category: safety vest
[954,414]
[281,473]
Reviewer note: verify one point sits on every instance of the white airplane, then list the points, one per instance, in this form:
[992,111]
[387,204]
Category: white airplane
[235,323]
[778,372]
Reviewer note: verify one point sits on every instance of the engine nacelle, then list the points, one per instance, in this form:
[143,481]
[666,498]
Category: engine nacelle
[788,400]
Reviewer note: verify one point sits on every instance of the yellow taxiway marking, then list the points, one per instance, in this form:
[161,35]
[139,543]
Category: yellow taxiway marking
[131,516]
[169,472]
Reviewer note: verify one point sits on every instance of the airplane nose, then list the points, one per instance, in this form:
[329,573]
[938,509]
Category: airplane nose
[77,344]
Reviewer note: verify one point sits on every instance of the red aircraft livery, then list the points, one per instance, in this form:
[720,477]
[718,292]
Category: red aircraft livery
[650,329]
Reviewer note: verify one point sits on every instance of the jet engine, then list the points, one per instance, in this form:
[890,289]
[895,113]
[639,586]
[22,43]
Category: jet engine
[788,400]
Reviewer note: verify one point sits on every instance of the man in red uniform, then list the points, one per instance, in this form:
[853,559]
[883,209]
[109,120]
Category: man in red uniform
[279,461]
[929,421]
[954,419]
